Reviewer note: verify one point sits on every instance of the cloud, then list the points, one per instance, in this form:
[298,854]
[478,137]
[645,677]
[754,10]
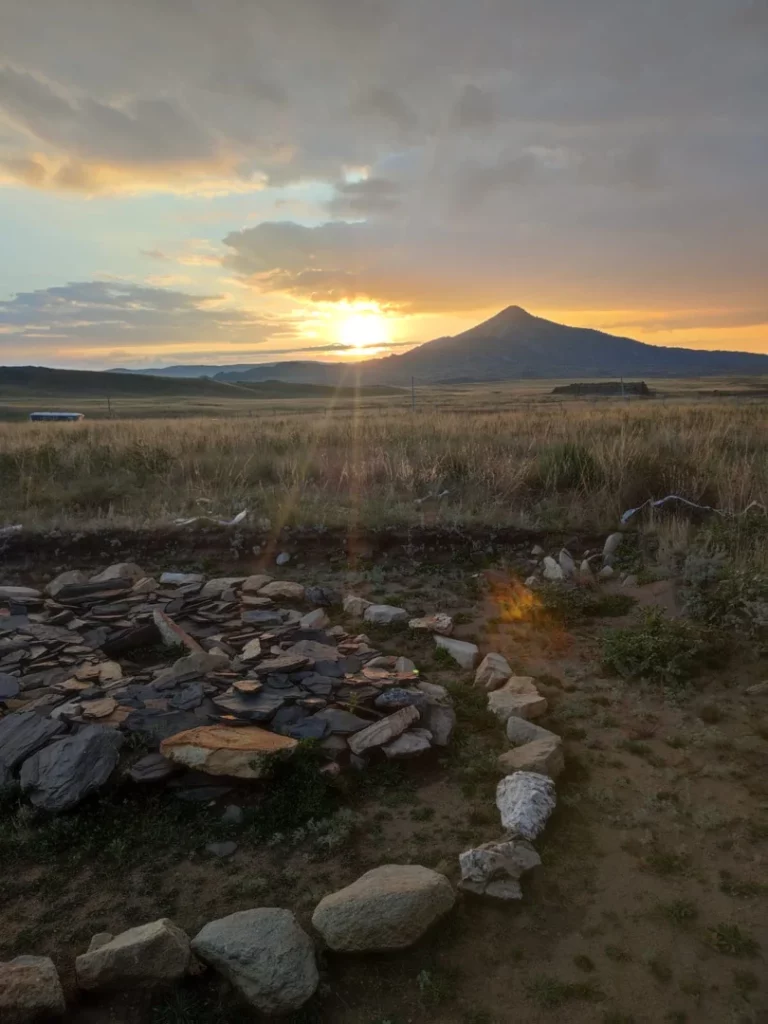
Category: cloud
[364,198]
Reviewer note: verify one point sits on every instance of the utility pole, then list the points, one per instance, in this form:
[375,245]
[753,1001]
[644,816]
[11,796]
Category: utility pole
[413,397]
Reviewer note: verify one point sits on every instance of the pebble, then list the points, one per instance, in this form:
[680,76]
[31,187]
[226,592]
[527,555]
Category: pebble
[223,849]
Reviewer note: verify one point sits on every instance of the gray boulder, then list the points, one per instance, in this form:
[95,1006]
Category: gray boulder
[525,801]
[265,954]
[152,954]
[60,775]
[24,732]
[383,731]
[385,614]
[390,907]
[440,719]
[410,744]
[520,731]
[493,671]
[542,756]
[30,990]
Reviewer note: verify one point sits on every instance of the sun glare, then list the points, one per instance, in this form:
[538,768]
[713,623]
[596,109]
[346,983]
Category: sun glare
[363,329]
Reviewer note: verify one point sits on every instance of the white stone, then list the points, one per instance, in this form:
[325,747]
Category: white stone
[525,801]
[519,697]
[567,563]
[251,651]
[409,744]
[388,908]
[434,691]
[20,594]
[493,671]
[283,558]
[440,719]
[30,990]
[552,570]
[383,731]
[152,954]
[463,653]
[612,542]
[317,619]
[585,570]
[493,869]
[384,614]
[181,579]
[265,955]
[605,573]
[537,550]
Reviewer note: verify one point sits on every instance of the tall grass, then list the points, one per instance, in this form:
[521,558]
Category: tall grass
[563,466]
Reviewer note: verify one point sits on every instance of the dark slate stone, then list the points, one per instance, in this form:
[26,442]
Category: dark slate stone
[292,692]
[187,697]
[96,637]
[319,686]
[152,768]
[398,697]
[310,729]
[159,725]
[340,722]
[322,597]
[77,590]
[60,775]
[330,668]
[92,693]
[10,623]
[48,677]
[261,617]
[288,717]
[257,708]
[23,733]
[350,665]
[9,686]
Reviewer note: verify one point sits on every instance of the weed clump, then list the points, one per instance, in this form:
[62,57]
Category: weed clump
[661,650]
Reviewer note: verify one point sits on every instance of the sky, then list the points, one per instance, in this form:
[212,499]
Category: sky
[250,180]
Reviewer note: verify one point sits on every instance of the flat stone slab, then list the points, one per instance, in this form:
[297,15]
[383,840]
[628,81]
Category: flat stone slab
[384,731]
[245,753]
[463,653]
[60,775]
[493,869]
[23,733]
[518,697]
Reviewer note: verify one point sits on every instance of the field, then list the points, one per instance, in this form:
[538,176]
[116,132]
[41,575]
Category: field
[501,456]
[650,903]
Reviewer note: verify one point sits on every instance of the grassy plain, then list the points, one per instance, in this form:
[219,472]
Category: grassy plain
[505,455]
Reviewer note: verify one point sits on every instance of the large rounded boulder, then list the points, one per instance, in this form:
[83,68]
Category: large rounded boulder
[390,907]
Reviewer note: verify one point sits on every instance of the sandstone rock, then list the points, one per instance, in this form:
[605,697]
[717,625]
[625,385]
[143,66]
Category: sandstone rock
[355,606]
[519,697]
[102,707]
[246,752]
[384,731]
[66,579]
[525,801]
[552,570]
[440,623]
[216,587]
[543,756]
[119,571]
[384,614]
[520,731]
[265,954]
[255,583]
[193,666]
[60,775]
[109,671]
[30,990]
[152,954]
[23,733]
[283,590]
[410,744]
[612,543]
[494,670]
[251,651]
[146,585]
[463,653]
[493,869]
[390,907]
[317,619]
[22,595]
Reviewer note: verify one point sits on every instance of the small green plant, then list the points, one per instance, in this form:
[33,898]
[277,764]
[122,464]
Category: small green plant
[738,887]
[732,941]
[661,650]
[680,913]
[550,992]
[666,862]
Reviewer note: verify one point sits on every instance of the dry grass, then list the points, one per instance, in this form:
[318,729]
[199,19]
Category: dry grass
[548,465]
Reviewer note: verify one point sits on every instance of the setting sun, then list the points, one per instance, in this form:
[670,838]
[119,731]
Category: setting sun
[363,329]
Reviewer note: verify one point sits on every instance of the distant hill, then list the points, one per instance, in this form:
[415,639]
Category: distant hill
[42,382]
[187,370]
[281,389]
[512,345]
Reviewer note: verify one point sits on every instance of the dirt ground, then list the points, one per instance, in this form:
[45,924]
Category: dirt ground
[650,904]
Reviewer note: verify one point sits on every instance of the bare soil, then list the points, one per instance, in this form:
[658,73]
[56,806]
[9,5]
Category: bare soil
[650,904]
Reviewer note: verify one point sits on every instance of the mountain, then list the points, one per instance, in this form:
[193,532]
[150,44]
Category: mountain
[42,382]
[187,370]
[512,345]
